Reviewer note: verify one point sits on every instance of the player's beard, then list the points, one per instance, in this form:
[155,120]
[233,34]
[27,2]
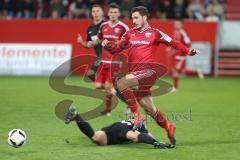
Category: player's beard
[140,28]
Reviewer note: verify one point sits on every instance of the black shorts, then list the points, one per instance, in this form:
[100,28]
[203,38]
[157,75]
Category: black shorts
[116,133]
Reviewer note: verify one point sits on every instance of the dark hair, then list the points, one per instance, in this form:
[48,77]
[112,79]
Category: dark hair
[141,9]
[96,5]
[114,5]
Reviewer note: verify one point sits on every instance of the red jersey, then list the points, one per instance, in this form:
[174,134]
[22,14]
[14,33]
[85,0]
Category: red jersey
[182,36]
[144,43]
[111,33]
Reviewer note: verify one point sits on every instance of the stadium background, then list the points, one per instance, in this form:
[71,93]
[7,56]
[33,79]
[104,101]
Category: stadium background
[28,102]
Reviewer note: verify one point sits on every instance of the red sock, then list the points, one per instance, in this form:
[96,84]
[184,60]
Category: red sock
[108,98]
[160,119]
[129,98]
[175,81]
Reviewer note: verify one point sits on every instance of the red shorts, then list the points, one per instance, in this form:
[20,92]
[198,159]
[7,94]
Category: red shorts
[146,79]
[103,73]
[179,63]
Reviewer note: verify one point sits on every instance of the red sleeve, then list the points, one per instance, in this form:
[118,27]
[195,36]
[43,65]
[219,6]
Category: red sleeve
[179,46]
[164,38]
[185,38]
[125,36]
[125,28]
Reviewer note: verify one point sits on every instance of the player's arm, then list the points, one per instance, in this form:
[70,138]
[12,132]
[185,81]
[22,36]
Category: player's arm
[164,38]
[117,46]
[81,41]
[185,38]
[87,44]
[181,47]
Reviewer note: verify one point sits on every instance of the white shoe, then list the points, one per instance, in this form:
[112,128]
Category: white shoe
[174,89]
[200,74]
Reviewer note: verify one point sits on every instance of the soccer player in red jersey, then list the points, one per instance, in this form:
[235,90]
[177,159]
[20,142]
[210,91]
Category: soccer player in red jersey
[111,30]
[178,58]
[135,85]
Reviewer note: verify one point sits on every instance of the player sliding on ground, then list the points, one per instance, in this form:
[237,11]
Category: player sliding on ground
[116,133]
[135,85]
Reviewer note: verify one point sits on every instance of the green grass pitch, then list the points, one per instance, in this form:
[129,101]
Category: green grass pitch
[210,131]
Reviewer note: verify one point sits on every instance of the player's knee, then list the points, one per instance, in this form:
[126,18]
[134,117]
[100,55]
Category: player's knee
[90,73]
[98,85]
[127,82]
[98,138]
[122,84]
[95,137]
[175,72]
[133,135]
[148,111]
[147,104]
[108,87]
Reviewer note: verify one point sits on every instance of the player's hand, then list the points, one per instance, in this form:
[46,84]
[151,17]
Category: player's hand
[89,44]
[111,47]
[193,52]
[79,39]
[124,44]
[105,42]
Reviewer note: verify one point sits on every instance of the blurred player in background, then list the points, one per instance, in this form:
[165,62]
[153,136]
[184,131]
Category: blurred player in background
[92,31]
[135,85]
[116,133]
[111,30]
[177,58]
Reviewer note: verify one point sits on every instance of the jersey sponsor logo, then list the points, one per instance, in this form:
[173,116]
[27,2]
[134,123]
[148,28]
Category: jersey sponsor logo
[116,30]
[148,34]
[140,42]
[110,36]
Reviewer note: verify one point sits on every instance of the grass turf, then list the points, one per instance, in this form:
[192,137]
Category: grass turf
[206,113]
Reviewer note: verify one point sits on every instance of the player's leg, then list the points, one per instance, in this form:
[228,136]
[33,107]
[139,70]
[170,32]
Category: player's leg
[109,91]
[100,77]
[132,81]
[175,76]
[136,136]
[179,65]
[100,83]
[91,72]
[140,137]
[135,80]
[97,137]
[100,138]
[125,87]
[148,105]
